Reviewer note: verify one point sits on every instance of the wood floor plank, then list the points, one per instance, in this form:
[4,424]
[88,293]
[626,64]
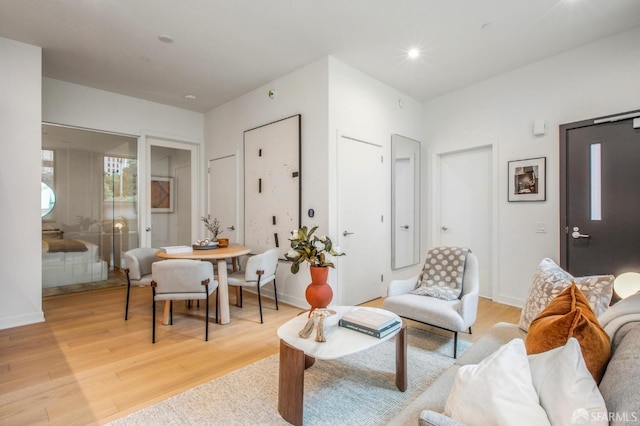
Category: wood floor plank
[86,365]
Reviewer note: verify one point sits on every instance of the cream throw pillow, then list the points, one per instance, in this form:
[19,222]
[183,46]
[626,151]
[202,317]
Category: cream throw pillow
[498,391]
[566,388]
[550,280]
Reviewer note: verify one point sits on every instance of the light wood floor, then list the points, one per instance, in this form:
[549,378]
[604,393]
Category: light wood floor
[86,365]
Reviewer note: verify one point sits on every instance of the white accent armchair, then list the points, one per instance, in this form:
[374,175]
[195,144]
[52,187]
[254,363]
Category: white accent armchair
[452,315]
[182,279]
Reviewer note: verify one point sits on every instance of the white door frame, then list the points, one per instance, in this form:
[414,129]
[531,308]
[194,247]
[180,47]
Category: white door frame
[144,181]
[436,205]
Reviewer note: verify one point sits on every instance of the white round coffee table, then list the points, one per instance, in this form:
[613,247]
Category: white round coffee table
[297,354]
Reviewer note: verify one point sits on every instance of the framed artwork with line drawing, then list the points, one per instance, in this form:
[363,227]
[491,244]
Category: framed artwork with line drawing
[527,179]
[162,194]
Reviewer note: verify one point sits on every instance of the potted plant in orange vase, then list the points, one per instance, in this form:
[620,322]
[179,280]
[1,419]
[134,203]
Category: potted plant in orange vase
[318,251]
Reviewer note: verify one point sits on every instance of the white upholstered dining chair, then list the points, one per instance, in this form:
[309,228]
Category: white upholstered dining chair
[256,271]
[182,279]
[138,269]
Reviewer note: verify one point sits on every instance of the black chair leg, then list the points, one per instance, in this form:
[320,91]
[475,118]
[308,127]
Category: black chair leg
[455,345]
[275,292]
[126,305]
[206,322]
[240,296]
[153,316]
[260,302]
[170,312]
[469,330]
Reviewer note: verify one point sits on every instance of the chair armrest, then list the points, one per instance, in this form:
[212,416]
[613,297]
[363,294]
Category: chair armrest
[469,307]
[397,287]
[431,418]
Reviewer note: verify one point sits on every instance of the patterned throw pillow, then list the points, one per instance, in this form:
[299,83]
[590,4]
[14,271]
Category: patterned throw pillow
[550,280]
[442,273]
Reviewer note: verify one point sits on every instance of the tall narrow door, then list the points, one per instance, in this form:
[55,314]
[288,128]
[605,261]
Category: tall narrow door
[467,207]
[600,199]
[360,209]
[404,235]
[171,176]
[223,194]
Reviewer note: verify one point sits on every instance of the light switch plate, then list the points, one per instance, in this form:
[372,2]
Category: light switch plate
[541,227]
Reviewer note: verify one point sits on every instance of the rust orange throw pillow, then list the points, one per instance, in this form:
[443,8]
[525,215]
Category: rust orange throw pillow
[569,315]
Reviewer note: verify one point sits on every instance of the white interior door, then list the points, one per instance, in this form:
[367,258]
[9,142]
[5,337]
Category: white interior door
[223,194]
[360,227]
[467,207]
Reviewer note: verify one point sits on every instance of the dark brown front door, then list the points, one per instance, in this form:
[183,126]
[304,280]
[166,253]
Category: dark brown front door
[600,196]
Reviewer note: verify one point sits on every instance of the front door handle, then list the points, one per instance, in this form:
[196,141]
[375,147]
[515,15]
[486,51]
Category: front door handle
[576,233]
[405,227]
[345,233]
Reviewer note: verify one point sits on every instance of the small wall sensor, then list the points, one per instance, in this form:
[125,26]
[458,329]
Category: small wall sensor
[539,128]
[272,94]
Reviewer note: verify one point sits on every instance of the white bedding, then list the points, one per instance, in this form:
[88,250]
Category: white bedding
[62,268]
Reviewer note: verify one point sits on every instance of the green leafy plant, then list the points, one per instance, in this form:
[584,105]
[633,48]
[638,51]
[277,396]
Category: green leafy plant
[306,247]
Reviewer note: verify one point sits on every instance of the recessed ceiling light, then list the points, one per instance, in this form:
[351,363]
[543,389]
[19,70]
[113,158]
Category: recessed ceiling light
[413,53]
[165,38]
[190,97]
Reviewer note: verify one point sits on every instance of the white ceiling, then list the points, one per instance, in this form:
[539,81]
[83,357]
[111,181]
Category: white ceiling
[225,48]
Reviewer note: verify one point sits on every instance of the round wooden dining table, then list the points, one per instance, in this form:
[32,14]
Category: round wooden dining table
[220,255]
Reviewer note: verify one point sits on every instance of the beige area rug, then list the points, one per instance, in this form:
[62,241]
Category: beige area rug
[355,390]
[115,279]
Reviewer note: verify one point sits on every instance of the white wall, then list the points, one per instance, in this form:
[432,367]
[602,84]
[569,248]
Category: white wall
[304,92]
[594,80]
[81,106]
[20,135]
[331,96]
[364,108]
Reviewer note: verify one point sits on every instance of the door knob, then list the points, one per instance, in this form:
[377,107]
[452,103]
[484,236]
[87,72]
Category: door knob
[576,233]
[147,229]
[405,227]
[231,228]
[444,228]
[345,233]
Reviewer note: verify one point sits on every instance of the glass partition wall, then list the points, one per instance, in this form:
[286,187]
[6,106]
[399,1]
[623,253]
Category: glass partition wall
[93,217]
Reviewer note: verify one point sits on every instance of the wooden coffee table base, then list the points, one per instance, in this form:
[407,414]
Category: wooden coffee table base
[293,362]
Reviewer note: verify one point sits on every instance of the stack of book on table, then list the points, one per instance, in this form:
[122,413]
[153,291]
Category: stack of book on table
[373,323]
[176,249]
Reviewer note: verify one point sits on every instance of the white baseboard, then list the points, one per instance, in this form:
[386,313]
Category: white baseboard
[17,321]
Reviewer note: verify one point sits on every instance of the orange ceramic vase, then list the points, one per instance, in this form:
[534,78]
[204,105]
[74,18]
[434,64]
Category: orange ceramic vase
[319,292]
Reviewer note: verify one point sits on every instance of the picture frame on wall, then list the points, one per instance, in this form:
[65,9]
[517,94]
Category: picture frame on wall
[162,194]
[527,179]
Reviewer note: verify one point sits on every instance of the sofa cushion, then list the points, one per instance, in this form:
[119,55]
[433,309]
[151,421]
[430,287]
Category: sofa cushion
[569,315]
[566,389]
[619,386]
[431,418]
[497,391]
[550,280]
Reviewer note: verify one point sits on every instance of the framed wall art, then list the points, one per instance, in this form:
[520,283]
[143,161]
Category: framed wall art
[162,194]
[527,179]
[272,184]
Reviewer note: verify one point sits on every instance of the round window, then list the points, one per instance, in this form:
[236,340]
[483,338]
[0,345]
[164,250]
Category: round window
[47,199]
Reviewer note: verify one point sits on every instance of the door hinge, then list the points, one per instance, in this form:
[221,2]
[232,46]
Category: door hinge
[382,158]
[382,218]
[381,278]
